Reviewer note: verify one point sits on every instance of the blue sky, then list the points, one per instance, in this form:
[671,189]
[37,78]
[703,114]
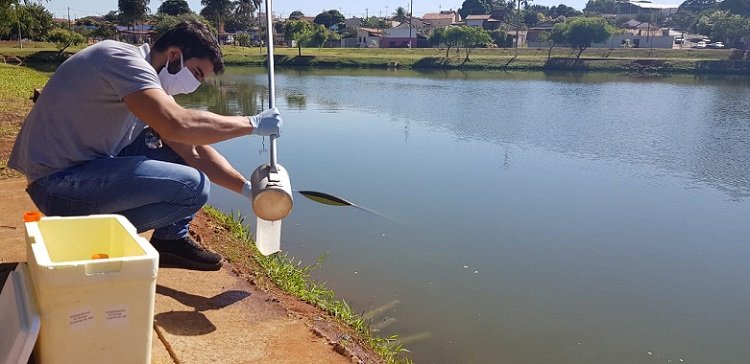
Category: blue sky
[80,8]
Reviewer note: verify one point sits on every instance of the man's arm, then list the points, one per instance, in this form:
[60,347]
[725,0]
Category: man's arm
[174,122]
[209,161]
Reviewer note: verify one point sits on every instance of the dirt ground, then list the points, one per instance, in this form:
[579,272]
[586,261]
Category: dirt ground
[263,325]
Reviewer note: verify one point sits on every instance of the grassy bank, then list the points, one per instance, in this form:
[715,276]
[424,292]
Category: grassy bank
[294,279]
[622,60]
[638,60]
[16,87]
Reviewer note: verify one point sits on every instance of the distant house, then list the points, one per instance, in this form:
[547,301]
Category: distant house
[136,34]
[533,35]
[477,20]
[368,37]
[439,20]
[353,22]
[647,7]
[401,37]
[638,28]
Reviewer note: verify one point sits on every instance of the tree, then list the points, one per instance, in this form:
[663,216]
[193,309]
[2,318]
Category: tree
[530,18]
[553,37]
[375,22]
[300,31]
[451,36]
[164,22]
[603,7]
[563,10]
[698,6]
[328,18]
[473,37]
[174,7]
[500,38]
[242,40]
[721,25]
[296,15]
[478,7]
[64,38]
[112,16]
[35,21]
[217,11]
[684,19]
[581,32]
[737,7]
[132,11]
[400,14]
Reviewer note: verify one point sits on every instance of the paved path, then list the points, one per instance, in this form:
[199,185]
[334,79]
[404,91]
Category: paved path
[200,317]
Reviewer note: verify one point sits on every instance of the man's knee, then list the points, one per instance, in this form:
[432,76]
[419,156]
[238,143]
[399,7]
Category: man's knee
[202,189]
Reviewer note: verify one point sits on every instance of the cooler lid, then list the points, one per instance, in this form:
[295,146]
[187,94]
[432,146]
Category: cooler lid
[19,316]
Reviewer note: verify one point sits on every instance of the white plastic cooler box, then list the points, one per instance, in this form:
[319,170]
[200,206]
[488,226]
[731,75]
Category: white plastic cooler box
[95,281]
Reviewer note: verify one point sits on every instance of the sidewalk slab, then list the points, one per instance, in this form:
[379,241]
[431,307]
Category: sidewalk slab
[200,317]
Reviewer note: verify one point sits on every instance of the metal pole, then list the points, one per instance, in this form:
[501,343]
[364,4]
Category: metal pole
[411,10]
[271,77]
[18,16]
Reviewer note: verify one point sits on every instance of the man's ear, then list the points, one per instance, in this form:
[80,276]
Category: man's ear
[173,53]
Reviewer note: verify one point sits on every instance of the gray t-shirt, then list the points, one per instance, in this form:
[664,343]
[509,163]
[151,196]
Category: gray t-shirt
[80,115]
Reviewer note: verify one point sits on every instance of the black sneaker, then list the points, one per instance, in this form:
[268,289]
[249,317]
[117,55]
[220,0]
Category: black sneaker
[186,254]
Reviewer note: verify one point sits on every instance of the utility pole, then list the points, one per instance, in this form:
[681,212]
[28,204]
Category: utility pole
[18,16]
[68,17]
[411,15]
[518,24]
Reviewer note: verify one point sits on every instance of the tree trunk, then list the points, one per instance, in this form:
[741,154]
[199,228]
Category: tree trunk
[549,52]
[579,52]
[447,51]
[299,49]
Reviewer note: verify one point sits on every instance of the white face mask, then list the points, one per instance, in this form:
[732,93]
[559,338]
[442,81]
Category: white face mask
[182,82]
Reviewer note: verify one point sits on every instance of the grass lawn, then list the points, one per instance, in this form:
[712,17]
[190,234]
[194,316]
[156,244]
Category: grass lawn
[16,87]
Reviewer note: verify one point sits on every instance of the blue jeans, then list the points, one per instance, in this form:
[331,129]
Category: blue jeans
[153,188]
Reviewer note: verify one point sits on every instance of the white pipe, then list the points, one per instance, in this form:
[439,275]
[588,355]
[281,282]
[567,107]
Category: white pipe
[271,76]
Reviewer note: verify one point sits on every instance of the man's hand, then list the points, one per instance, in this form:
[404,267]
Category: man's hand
[247,191]
[267,123]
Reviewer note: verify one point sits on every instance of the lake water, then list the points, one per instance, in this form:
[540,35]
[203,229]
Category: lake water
[536,218]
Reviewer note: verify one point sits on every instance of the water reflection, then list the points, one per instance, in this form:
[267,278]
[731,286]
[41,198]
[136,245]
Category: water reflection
[593,208]
[228,95]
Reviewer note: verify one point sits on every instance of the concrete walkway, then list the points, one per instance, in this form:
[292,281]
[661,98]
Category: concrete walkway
[200,317]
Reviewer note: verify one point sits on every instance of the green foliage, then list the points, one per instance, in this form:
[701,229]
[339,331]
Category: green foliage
[214,10]
[243,40]
[500,38]
[302,32]
[684,20]
[132,11]
[477,7]
[174,7]
[33,19]
[400,14]
[723,26]
[563,10]
[698,6]
[296,15]
[375,22]
[328,18]
[64,38]
[581,32]
[164,22]
[737,7]
[473,37]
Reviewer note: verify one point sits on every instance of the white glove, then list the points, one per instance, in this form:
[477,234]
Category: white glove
[267,123]
[247,190]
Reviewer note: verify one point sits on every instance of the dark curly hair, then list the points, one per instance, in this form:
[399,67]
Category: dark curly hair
[195,40]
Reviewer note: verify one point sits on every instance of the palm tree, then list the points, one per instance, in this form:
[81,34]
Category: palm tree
[400,14]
